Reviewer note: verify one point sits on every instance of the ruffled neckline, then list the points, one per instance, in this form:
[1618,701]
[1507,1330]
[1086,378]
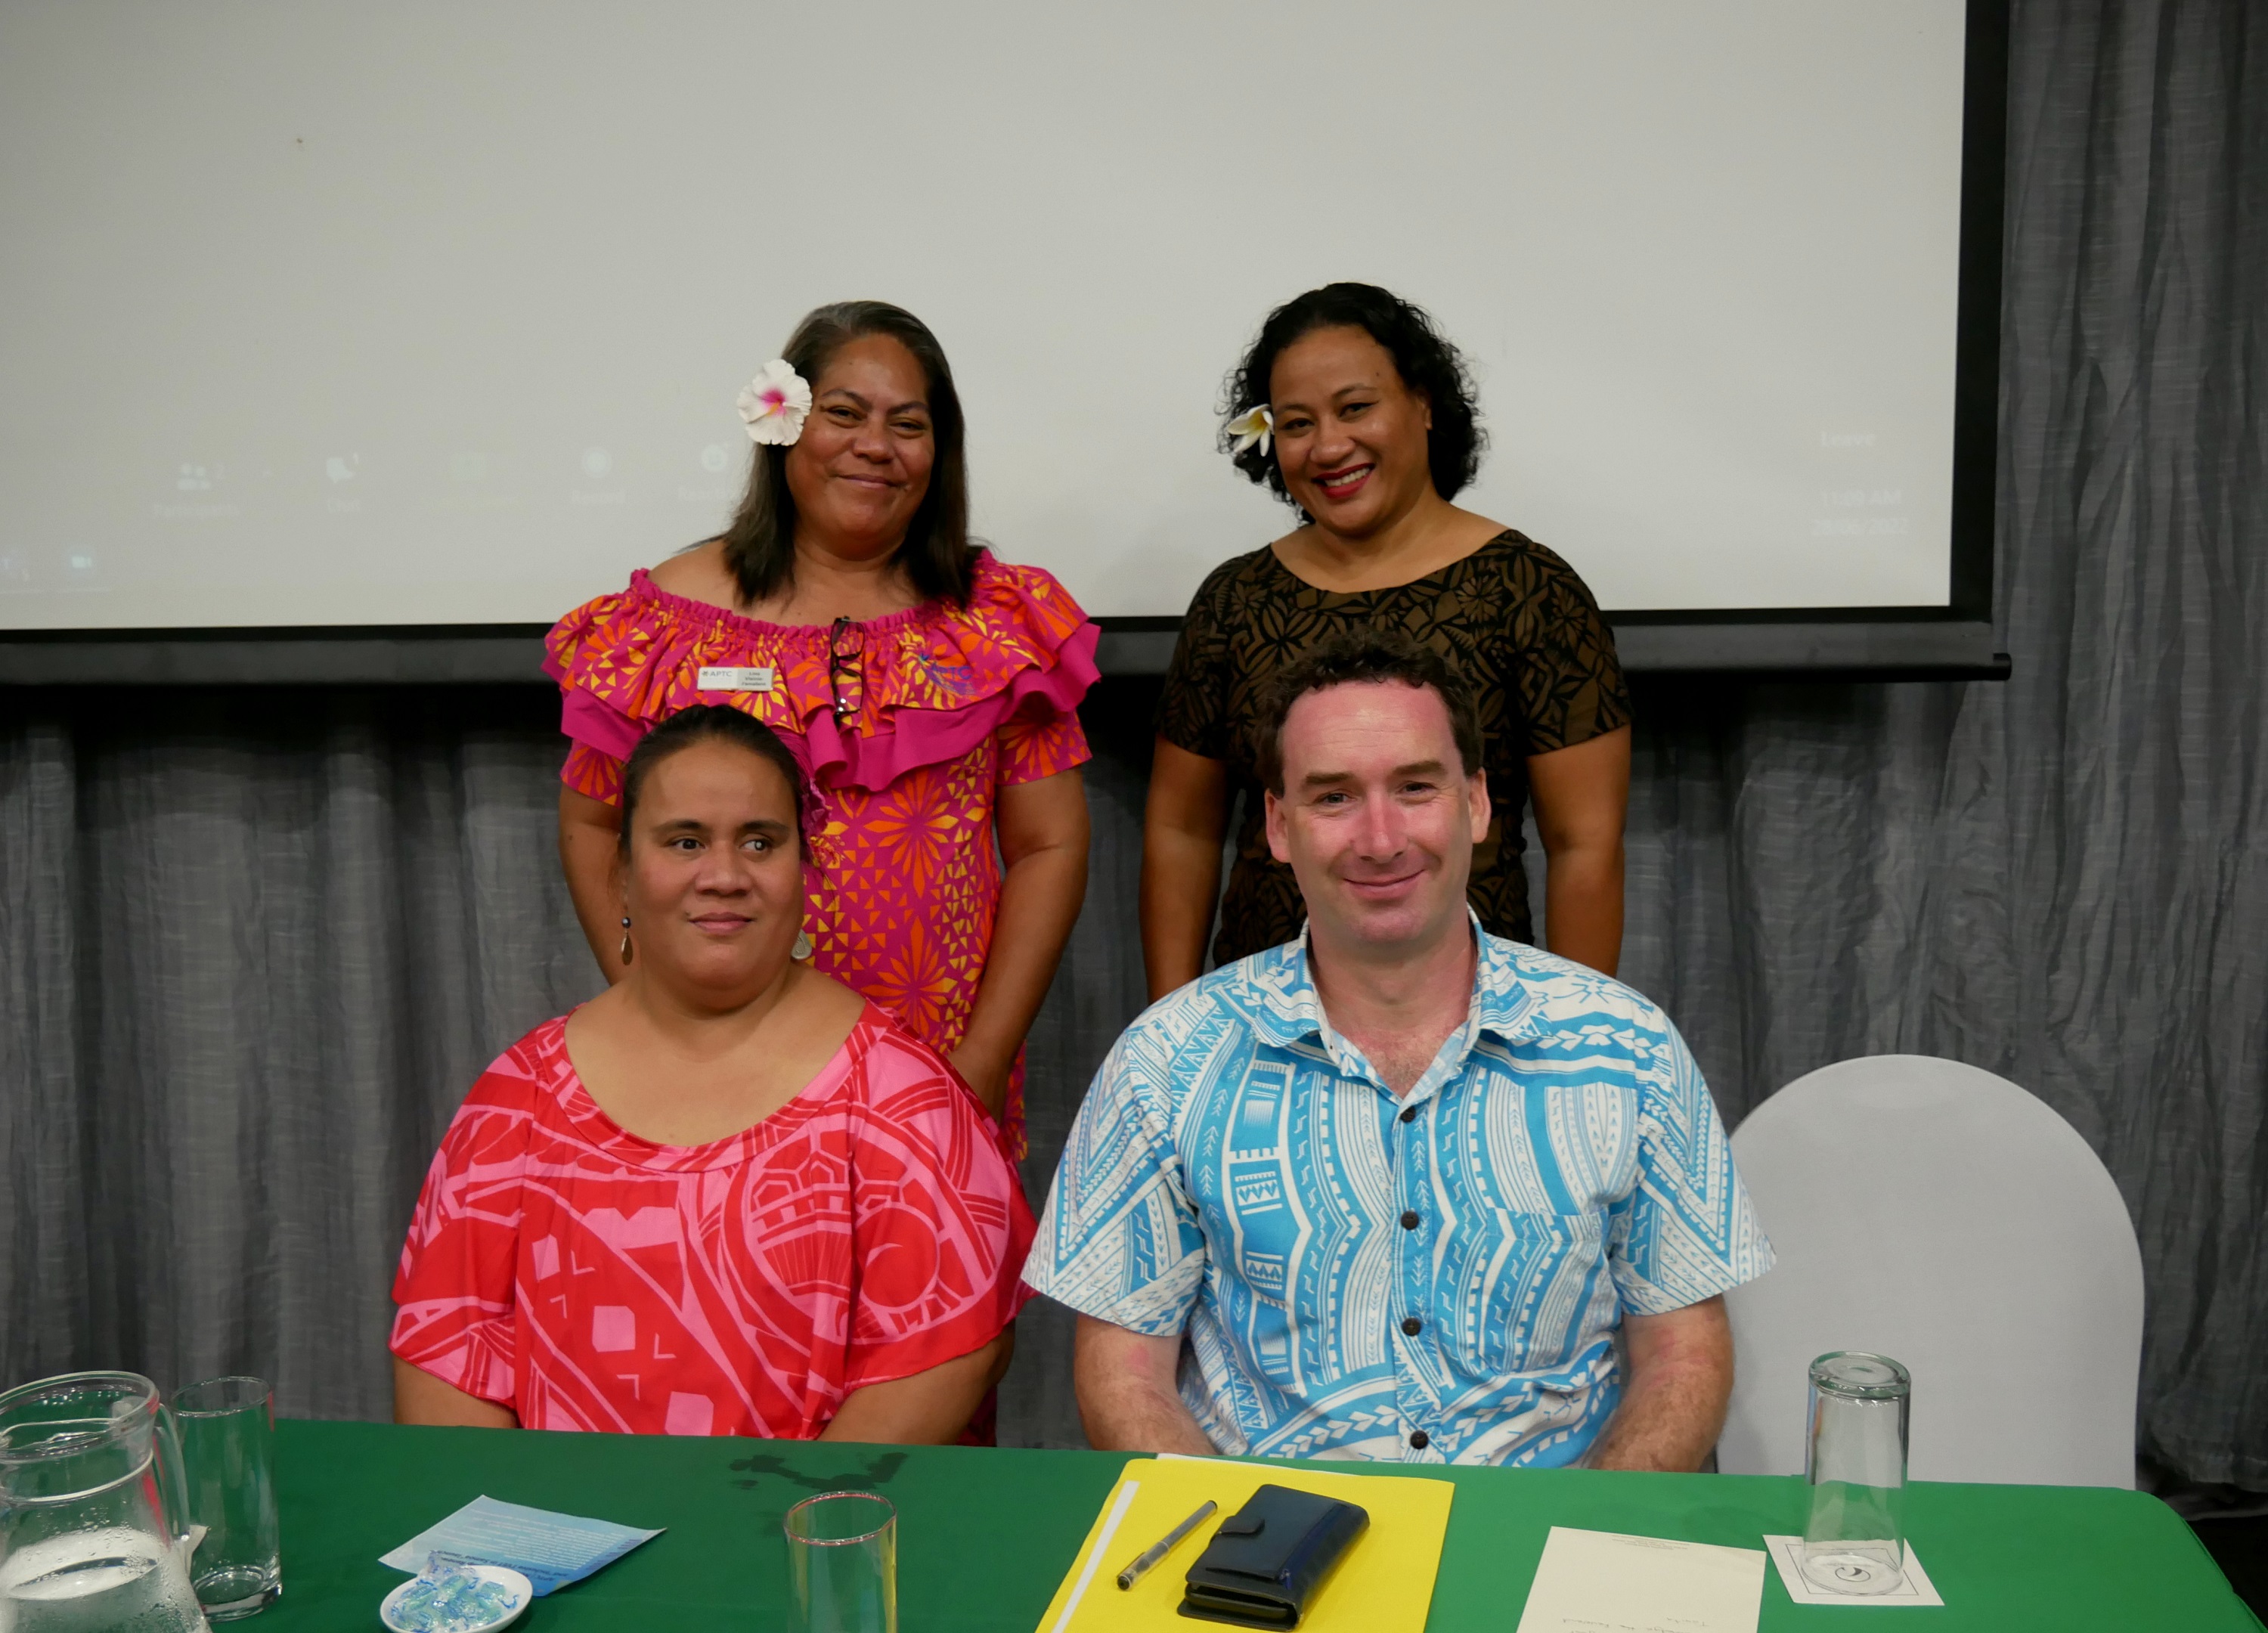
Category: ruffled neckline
[644,591]
[917,687]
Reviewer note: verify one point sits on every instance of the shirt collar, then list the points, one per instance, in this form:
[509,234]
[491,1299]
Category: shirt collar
[1289,1011]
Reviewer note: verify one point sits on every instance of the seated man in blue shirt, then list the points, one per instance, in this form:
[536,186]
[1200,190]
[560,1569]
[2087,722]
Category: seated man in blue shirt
[1389,1191]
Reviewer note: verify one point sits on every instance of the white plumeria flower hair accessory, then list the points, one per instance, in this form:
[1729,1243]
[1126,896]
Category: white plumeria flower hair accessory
[1254,425]
[774,404]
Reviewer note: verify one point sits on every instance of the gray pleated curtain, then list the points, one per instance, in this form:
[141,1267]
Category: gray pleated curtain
[253,948]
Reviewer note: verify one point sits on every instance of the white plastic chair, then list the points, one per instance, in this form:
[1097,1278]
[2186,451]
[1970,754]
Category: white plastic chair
[1935,1213]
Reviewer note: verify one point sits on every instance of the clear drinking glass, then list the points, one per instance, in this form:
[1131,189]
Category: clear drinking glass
[843,1561]
[228,1447]
[1856,1462]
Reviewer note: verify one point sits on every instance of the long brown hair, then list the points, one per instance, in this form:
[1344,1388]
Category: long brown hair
[936,555]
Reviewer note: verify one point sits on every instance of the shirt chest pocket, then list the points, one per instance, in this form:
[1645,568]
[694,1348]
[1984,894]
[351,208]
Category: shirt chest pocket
[1523,1287]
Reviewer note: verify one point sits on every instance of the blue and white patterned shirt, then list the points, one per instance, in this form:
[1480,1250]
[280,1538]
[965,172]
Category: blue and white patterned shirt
[1436,1278]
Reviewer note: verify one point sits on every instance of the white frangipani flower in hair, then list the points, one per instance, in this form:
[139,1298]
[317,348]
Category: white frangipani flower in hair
[1254,425]
[774,404]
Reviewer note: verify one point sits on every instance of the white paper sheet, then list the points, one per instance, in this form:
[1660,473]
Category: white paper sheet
[1603,1582]
[1917,1590]
[551,1551]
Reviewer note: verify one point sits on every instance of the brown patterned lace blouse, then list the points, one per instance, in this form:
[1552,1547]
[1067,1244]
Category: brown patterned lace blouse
[1513,621]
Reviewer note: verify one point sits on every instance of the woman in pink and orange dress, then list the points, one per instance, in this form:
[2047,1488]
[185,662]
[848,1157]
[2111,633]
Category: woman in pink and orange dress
[928,689]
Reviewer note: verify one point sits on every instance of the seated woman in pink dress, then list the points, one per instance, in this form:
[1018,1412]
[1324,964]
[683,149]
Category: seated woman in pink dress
[927,688]
[728,1195]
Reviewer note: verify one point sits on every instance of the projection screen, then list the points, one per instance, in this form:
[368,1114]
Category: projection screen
[433,315]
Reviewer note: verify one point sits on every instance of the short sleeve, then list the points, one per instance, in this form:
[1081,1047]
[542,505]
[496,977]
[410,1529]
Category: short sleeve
[1120,1239]
[1193,708]
[592,774]
[453,1292]
[1687,1231]
[1033,749]
[939,1224]
[1567,679]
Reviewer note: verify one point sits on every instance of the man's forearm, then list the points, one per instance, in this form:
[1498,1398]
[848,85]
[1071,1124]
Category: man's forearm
[1668,1425]
[1133,1419]
[1680,1377]
[1127,1398]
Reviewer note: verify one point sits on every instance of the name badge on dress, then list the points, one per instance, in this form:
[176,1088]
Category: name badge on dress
[724,679]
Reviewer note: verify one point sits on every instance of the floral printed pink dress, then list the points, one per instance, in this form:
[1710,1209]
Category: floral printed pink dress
[940,707]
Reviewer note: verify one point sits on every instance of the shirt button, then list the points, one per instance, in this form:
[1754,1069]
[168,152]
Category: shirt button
[1419,1440]
[1409,1114]
[1412,1325]
[1408,1219]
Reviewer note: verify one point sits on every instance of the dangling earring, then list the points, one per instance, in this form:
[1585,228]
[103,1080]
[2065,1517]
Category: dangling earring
[628,951]
[801,951]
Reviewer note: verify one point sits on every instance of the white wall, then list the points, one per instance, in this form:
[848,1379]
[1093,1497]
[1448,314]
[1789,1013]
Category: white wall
[422,312]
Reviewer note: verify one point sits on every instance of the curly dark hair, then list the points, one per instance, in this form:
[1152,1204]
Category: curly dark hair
[1363,654]
[938,555]
[1428,363]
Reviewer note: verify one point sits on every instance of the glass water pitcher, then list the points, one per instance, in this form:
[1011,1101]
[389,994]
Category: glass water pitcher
[93,1512]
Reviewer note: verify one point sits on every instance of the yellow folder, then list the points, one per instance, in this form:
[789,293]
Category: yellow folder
[1384,1586]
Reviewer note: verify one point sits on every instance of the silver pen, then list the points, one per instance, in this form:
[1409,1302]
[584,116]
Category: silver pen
[1150,1555]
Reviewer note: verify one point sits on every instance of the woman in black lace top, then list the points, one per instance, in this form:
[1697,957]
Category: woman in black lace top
[1369,432]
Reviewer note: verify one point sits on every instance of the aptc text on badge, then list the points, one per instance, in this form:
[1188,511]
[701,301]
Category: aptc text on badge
[722,679]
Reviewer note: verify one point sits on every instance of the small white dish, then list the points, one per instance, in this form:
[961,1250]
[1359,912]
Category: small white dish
[522,1592]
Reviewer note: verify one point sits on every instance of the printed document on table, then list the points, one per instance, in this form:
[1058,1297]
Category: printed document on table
[550,1549]
[1603,1582]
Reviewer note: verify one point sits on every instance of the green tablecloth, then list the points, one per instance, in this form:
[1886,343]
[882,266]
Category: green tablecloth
[985,1535]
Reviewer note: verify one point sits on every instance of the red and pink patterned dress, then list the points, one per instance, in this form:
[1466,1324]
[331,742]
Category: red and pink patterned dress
[946,706]
[868,1230]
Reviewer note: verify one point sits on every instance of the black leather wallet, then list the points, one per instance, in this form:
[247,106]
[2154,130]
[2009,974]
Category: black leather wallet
[1268,1559]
